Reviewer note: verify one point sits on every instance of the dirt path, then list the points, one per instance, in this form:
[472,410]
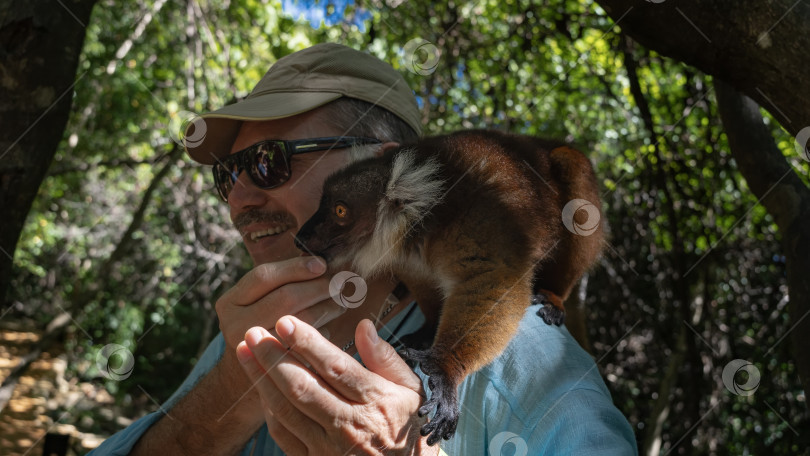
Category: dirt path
[43,400]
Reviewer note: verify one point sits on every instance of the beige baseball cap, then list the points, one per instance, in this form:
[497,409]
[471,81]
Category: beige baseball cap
[298,83]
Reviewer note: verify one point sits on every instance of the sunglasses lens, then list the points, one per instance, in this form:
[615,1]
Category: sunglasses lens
[225,178]
[268,165]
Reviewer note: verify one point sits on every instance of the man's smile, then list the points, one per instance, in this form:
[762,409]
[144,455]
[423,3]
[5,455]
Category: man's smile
[260,234]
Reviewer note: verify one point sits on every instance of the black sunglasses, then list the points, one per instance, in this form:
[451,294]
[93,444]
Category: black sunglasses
[268,162]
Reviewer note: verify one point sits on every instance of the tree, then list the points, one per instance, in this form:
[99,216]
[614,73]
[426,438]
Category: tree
[40,44]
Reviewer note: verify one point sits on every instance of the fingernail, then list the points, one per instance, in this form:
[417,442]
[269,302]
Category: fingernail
[255,334]
[316,265]
[285,327]
[372,334]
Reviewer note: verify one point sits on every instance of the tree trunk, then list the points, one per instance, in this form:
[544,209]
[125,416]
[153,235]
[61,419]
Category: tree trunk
[40,44]
[760,48]
[785,197]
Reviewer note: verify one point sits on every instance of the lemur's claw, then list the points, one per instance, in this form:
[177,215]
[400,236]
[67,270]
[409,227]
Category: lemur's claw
[443,397]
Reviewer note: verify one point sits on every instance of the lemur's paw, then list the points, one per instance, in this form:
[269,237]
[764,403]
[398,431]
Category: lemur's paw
[443,397]
[413,356]
[550,313]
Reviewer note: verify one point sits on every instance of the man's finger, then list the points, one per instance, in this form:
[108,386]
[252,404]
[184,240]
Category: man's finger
[306,391]
[342,372]
[283,411]
[267,277]
[298,298]
[381,358]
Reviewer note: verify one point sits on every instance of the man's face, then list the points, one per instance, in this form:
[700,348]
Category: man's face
[255,211]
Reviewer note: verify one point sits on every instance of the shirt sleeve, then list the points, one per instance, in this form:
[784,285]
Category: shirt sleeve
[122,442]
[584,423]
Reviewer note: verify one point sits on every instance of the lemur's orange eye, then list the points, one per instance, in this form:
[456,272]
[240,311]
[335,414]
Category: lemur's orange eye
[341,210]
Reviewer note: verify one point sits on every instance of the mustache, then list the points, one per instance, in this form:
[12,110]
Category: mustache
[241,221]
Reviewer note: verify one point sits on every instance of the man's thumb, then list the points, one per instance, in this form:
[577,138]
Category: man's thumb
[381,358]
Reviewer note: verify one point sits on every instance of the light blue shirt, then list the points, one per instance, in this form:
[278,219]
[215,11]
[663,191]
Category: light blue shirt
[542,396]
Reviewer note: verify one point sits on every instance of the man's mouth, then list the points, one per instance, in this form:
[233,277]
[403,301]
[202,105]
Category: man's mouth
[273,231]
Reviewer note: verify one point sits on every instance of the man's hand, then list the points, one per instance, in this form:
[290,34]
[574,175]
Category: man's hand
[336,406]
[265,294]
[222,411]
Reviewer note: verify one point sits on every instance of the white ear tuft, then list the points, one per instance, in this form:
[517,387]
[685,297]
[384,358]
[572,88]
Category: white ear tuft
[413,188]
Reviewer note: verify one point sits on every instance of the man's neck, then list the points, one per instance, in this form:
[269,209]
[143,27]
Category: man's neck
[380,306]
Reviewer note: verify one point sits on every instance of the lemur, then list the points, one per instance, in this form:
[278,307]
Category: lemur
[474,223]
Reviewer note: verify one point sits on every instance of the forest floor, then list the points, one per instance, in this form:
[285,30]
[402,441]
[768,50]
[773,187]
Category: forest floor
[43,400]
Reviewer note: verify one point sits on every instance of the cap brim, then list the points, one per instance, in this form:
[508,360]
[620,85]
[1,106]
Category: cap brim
[210,136]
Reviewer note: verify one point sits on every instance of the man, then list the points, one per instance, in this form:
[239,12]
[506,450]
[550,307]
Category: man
[312,113]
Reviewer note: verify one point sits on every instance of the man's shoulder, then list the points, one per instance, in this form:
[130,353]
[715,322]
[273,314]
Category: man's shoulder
[540,367]
[545,394]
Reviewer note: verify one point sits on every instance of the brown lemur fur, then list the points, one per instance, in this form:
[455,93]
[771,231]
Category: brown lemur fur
[472,222]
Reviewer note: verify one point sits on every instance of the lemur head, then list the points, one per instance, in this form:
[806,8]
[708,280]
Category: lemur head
[367,209]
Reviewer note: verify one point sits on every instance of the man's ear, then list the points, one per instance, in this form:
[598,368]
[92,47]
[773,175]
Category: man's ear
[385,147]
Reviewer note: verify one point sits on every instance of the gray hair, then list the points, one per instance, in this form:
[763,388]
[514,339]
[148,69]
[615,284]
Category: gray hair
[355,117]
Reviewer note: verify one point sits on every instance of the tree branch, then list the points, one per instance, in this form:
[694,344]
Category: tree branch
[137,218]
[761,49]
